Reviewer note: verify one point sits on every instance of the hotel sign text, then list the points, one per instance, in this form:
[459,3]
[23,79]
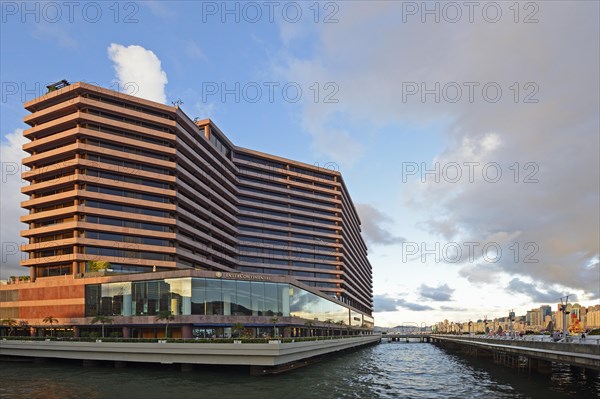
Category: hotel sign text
[242,276]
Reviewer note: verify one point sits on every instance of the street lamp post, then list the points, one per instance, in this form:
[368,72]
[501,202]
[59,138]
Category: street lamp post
[511,319]
[563,308]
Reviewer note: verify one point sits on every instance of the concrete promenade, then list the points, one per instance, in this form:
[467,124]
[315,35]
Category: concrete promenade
[581,353]
[274,353]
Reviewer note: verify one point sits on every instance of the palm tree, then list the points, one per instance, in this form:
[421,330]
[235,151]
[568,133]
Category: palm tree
[309,324]
[341,324]
[50,320]
[102,320]
[10,323]
[329,322]
[167,316]
[274,320]
[238,328]
[24,325]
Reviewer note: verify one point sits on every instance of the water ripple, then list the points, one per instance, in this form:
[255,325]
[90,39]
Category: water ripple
[389,370]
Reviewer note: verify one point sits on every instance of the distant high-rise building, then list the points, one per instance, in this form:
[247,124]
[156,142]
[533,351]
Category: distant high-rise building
[546,311]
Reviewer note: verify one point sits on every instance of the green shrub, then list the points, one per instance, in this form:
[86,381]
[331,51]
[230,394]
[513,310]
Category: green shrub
[97,265]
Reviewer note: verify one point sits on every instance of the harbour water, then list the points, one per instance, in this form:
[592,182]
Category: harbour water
[388,370]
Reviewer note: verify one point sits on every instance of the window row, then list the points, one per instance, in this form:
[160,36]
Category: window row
[260,161]
[126,193]
[134,136]
[100,235]
[127,149]
[46,253]
[130,121]
[126,179]
[244,249]
[219,144]
[246,171]
[311,173]
[127,253]
[54,237]
[286,215]
[126,165]
[55,206]
[126,208]
[126,223]
[123,104]
[56,270]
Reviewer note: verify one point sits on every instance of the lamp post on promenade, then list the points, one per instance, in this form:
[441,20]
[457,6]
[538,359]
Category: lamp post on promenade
[511,319]
[565,312]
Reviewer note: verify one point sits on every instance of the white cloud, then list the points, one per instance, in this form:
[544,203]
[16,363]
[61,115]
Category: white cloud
[373,226]
[371,54]
[11,154]
[441,293]
[194,51]
[139,71]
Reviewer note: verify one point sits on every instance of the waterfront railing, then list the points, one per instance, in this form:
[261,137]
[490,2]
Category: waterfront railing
[184,340]
[571,339]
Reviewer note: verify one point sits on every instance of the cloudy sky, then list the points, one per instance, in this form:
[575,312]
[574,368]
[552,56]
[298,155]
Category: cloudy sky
[468,135]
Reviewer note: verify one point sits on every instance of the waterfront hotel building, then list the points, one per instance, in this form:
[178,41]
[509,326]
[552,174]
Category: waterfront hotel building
[183,221]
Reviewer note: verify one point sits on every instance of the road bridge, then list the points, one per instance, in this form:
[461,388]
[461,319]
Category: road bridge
[413,337]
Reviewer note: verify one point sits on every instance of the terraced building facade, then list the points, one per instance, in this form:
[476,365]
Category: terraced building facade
[142,186]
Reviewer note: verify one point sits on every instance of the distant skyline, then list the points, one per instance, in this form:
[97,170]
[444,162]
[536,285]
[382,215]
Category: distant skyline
[469,144]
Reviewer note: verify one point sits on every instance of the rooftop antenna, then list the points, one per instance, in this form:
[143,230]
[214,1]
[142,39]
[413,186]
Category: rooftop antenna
[177,103]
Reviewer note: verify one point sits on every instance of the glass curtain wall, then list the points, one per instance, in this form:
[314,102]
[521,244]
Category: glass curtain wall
[206,296]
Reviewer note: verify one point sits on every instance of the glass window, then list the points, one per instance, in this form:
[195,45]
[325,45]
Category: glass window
[258,298]
[92,300]
[307,305]
[244,302]
[272,301]
[199,296]
[229,297]
[181,295]
[214,299]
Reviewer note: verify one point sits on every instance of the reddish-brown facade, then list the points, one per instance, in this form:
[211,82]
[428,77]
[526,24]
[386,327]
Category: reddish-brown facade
[140,185]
